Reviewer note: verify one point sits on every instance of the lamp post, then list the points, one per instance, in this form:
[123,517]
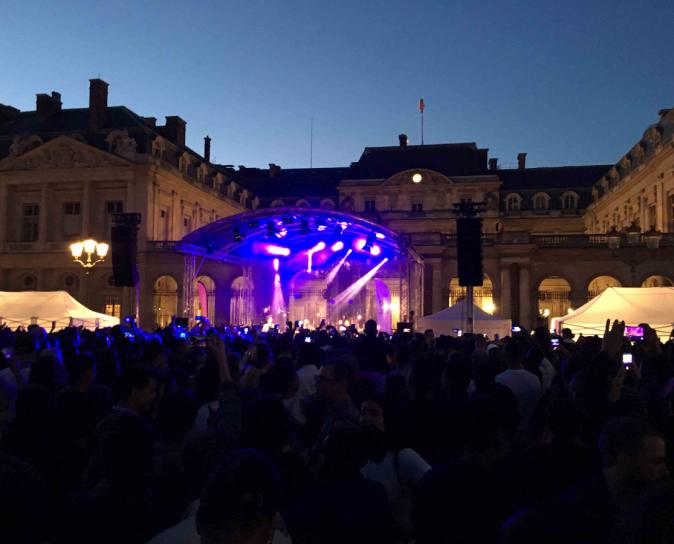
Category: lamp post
[95,252]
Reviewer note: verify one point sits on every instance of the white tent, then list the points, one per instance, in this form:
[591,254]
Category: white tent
[44,307]
[633,305]
[445,321]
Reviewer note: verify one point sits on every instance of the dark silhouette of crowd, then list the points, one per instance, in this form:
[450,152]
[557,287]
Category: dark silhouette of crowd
[231,435]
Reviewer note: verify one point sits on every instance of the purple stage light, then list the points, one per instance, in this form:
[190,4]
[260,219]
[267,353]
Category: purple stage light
[337,246]
[320,246]
[380,236]
[360,243]
[277,250]
[275,265]
[376,250]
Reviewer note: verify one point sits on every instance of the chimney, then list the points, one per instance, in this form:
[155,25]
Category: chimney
[152,121]
[98,103]
[493,165]
[274,170]
[207,148]
[521,161]
[47,105]
[174,130]
[663,113]
[402,139]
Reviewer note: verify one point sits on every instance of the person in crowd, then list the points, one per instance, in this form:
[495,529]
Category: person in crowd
[524,385]
[333,382]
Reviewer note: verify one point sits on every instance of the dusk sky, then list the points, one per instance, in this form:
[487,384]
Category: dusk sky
[572,82]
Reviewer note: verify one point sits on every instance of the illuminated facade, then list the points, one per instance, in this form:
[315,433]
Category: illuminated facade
[548,240]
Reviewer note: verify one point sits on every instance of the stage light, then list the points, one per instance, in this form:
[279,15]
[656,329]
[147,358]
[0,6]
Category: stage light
[282,233]
[320,246]
[276,263]
[380,236]
[271,228]
[352,290]
[236,232]
[338,230]
[337,246]
[376,250]
[304,227]
[333,273]
[321,228]
[416,178]
[360,243]
[277,250]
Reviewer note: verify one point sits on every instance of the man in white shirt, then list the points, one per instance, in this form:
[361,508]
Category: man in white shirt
[525,386]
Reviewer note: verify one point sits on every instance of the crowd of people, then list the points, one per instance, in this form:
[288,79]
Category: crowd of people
[220,435]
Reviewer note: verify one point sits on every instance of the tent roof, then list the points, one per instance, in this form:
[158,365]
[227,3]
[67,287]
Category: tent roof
[633,305]
[458,311]
[26,307]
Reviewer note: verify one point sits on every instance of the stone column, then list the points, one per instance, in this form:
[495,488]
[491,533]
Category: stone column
[660,208]
[86,210]
[42,225]
[505,291]
[437,286]
[3,215]
[525,298]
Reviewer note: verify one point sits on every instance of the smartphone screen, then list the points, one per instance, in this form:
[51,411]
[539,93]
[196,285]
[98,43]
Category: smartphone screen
[554,342]
[627,359]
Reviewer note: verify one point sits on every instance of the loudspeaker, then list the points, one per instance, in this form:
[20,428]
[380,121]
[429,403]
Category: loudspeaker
[469,251]
[124,246]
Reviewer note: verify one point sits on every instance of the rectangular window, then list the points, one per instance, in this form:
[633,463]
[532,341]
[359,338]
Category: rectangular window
[163,230]
[417,205]
[30,225]
[187,224]
[370,205]
[72,219]
[111,207]
[113,306]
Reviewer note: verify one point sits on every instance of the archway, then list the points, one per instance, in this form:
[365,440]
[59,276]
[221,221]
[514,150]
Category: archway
[599,284]
[483,296]
[204,297]
[657,281]
[553,297]
[165,300]
[241,302]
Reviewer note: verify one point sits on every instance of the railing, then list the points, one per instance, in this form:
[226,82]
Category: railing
[162,245]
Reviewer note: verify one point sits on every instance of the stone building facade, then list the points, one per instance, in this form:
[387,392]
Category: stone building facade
[546,247]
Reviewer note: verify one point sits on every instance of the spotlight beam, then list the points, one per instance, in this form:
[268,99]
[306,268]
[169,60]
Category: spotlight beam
[357,286]
[333,273]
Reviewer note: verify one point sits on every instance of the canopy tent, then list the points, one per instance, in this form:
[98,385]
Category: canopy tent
[447,320]
[44,307]
[633,305]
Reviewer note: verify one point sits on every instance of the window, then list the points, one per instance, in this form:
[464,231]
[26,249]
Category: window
[540,202]
[569,201]
[114,206]
[187,224]
[72,222]
[417,205]
[370,205]
[30,222]
[113,306]
[111,207]
[513,203]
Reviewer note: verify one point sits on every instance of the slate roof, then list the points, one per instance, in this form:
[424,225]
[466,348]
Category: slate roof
[293,182]
[459,159]
[557,177]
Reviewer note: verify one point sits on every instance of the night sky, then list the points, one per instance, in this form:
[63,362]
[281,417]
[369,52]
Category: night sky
[567,82]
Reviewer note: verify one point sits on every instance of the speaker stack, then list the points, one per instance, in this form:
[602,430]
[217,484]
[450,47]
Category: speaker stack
[469,250]
[124,242]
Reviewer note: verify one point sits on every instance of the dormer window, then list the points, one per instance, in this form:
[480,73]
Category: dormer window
[570,200]
[513,202]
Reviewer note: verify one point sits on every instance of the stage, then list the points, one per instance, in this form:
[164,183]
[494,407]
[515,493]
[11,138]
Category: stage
[305,264]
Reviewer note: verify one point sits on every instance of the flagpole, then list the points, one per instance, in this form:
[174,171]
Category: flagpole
[422,127]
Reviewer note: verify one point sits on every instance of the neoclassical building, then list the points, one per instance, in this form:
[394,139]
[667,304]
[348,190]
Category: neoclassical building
[553,236]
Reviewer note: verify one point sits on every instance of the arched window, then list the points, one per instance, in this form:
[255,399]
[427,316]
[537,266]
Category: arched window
[327,204]
[241,302]
[204,297]
[599,284]
[302,204]
[483,296]
[513,202]
[165,300]
[277,204]
[541,202]
[553,297]
[569,200]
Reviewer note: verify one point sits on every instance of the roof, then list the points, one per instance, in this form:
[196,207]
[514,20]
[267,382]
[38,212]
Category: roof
[294,182]
[556,177]
[459,159]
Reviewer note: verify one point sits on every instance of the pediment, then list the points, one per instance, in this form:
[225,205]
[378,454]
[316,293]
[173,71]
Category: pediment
[62,152]
[428,177]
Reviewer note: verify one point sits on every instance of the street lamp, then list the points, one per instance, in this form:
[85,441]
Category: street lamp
[92,249]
